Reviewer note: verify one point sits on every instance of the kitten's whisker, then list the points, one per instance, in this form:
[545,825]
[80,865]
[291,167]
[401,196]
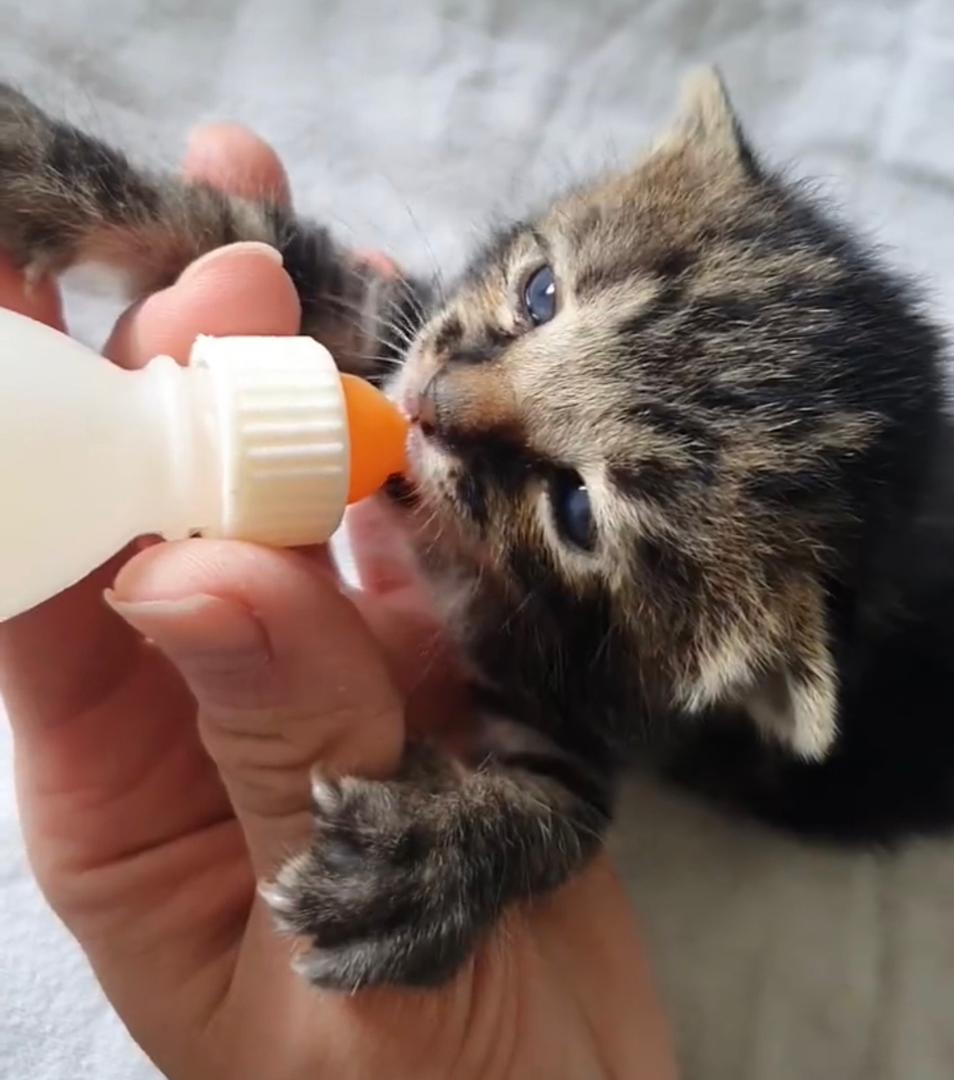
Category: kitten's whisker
[341,308]
[376,358]
[604,642]
[345,312]
[518,610]
[438,279]
[418,308]
[400,316]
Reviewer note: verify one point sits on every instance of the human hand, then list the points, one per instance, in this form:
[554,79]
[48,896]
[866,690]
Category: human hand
[159,779]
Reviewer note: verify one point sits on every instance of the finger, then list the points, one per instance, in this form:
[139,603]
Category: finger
[589,938]
[40,301]
[396,604]
[239,289]
[233,159]
[377,261]
[284,670]
[423,662]
[382,553]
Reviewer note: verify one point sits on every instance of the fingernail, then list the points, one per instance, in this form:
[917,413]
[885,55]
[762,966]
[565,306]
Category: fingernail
[203,631]
[379,549]
[199,135]
[243,248]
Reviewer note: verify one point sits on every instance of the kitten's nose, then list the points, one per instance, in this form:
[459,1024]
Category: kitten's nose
[458,405]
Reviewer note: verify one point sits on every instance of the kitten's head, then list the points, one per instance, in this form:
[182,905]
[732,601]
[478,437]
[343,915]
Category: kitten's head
[667,420]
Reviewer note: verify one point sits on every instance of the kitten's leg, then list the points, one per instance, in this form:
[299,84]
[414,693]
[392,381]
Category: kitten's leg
[404,876]
[67,198]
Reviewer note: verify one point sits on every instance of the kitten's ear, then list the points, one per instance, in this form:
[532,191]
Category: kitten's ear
[706,121]
[797,706]
[788,689]
[794,697]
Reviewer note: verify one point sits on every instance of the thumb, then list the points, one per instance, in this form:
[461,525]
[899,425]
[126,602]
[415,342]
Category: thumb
[285,673]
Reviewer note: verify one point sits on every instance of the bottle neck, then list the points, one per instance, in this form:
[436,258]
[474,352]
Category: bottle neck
[177,441]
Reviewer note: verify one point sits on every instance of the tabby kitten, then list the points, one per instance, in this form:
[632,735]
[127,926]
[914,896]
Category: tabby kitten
[678,462]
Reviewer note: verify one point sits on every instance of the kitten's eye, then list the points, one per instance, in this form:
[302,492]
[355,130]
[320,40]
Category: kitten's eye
[540,296]
[572,513]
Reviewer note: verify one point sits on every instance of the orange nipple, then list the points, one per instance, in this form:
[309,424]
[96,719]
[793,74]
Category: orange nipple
[378,433]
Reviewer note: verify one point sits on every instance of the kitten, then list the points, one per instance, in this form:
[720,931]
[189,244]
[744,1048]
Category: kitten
[679,463]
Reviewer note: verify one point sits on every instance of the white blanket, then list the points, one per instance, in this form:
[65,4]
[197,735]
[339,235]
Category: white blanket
[408,125]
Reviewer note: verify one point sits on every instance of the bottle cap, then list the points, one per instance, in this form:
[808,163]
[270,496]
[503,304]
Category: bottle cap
[378,433]
[297,441]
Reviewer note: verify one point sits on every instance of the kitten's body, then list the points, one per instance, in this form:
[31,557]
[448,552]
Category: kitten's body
[757,590]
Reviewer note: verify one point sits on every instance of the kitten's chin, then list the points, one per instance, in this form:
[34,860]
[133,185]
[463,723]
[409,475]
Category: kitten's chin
[428,467]
[418,488]
[405,488]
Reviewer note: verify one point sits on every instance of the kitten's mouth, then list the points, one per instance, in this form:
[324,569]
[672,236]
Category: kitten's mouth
[404,488]
[423,483]
[401,489]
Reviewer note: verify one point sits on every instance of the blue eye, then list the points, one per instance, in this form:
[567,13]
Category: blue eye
[570,506]
[540,296]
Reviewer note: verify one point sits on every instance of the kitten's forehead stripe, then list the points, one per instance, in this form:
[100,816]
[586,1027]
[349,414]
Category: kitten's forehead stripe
[594,278]
[664,305]
[496,252]
[672,263]
[653,478]
[597,273]
[539,238]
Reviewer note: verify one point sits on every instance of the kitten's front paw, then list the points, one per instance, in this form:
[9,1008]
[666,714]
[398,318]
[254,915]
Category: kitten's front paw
[383,892]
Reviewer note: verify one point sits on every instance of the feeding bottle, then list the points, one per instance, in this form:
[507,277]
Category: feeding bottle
[258,439]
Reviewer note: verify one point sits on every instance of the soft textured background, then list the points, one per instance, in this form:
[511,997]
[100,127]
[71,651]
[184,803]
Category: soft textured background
[409,125]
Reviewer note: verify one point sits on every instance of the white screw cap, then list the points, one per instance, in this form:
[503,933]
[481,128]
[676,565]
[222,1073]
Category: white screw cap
[282,434]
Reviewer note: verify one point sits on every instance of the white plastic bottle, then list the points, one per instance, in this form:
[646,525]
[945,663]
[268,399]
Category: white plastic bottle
[250,440]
